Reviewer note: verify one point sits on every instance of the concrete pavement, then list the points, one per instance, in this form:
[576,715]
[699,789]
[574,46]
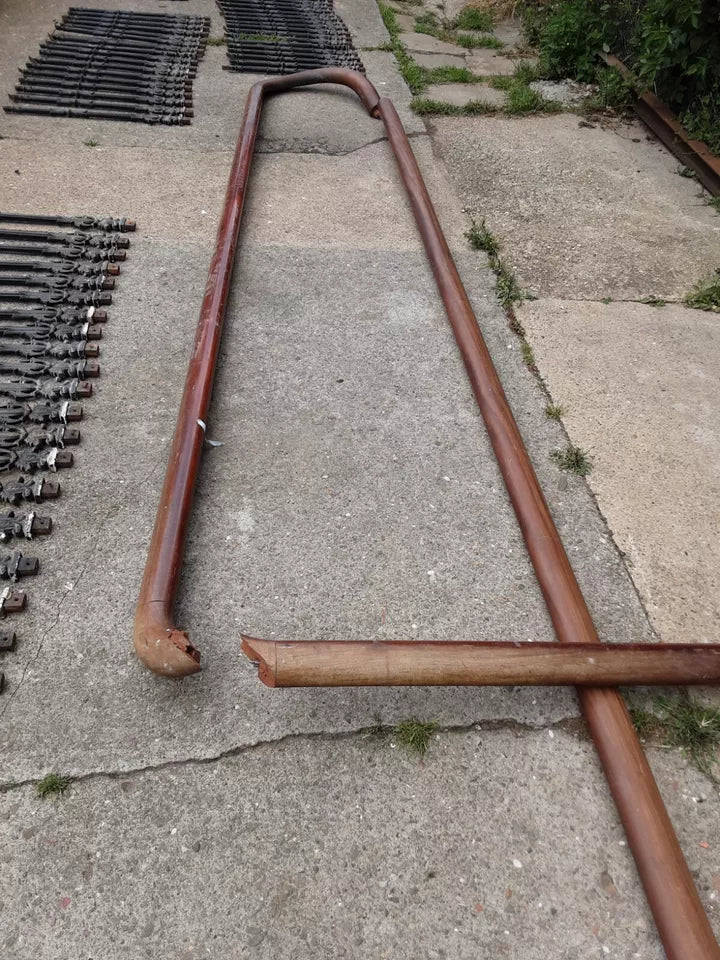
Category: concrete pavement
[354,495]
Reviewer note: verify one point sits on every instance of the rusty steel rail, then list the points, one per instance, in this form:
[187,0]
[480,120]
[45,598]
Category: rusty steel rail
[389,663]
[683,926]
[667,128]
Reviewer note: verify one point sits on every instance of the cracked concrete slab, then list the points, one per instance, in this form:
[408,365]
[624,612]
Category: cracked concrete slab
[316,423]
[640,391]
[602,214]
[354,495]
[386,416]
[346,848]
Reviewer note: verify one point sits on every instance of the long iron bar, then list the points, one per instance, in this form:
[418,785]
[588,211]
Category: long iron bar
[674,901]
[349,663]
[76,239]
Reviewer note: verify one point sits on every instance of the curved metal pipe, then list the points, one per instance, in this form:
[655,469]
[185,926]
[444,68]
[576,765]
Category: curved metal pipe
[162,646]
[683,926]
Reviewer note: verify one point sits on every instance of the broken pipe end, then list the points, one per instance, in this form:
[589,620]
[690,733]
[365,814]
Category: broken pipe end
[264,653]
[163,648]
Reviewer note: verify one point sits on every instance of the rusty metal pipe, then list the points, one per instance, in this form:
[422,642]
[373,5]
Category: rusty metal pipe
[681,921]
[386,663]
[160,644]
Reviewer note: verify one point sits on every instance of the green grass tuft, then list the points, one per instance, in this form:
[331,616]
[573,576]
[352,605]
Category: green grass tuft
[508,289]
[427,23]
[216,41]
[473,19]
[390,21]
[425,107]
[522,100]
[53,785]
[645,722]
[573,459]
[91,143]
[554,411]
[415,735]
[473,41]
[451,75]
[480,238]
[681,721]
[527,354]
[706,296]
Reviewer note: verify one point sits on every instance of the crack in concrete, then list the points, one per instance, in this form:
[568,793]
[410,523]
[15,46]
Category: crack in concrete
[329,153]
[643,302]
[574,726]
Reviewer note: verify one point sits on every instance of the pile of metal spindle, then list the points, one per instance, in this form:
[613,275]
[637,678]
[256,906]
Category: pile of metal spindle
[54,285]
[284,36]
[115,65]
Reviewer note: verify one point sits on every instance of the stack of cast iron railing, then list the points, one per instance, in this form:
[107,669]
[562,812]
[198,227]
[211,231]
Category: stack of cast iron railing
[54,285]
[283,36]
[115,65]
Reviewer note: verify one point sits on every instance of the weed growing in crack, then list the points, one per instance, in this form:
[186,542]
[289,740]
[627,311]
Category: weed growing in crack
[471,18]
[425,107]
[508,289]
[573,459]
[91,143]
[216,41]
[527,355]
[554,411]
[706,296]
[683,722]
[451,75]
[472,41]
[53,786]
[415,735]
[480,238]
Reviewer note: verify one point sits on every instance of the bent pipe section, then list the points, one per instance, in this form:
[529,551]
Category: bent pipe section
[387,663]
[162,646]
[683,926]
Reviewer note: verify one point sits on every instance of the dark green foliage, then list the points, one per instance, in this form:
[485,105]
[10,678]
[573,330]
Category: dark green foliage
[671,46]
[702,120]
[570,40]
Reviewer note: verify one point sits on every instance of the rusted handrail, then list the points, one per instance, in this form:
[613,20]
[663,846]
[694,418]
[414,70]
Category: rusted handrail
[684,929]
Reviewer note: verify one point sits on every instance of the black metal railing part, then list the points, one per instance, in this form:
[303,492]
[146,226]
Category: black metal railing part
[114,65]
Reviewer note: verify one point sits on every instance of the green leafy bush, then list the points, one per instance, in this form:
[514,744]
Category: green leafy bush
[672,47]
[570,40]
